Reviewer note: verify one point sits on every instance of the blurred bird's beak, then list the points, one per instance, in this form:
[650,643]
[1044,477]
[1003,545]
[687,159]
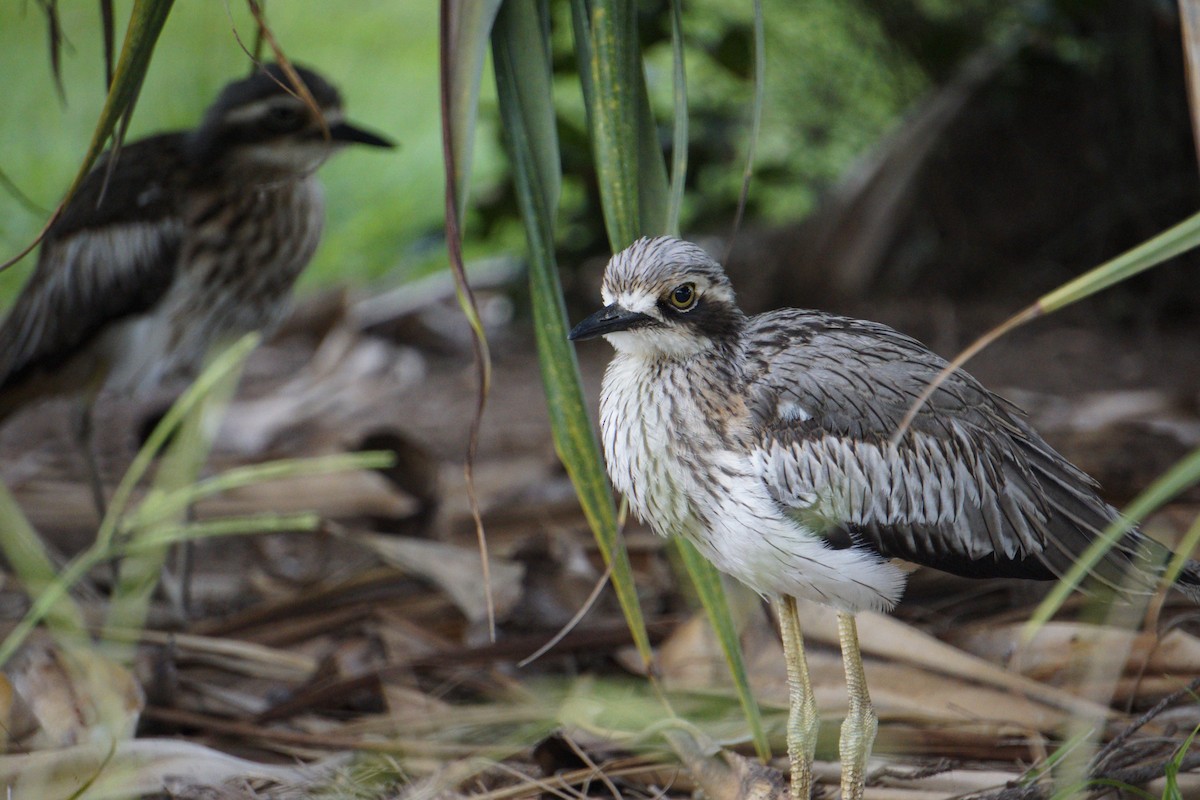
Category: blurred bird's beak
[345,132]
[609,319]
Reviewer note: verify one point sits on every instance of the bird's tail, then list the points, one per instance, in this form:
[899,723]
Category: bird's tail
[1189,581]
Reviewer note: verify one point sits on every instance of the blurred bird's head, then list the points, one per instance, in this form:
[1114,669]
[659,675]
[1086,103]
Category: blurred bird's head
[263,124]
[664,298]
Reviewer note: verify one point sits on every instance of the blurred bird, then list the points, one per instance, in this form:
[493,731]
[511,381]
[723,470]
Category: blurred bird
[768,442]
[175,244]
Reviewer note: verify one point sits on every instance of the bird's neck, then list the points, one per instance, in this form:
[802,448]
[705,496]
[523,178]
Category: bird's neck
[704,387]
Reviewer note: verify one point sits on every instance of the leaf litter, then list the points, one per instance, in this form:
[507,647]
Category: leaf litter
[355,661]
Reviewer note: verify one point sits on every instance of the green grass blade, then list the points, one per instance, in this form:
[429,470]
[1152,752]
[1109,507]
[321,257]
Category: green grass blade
[25,553]
[162,506]
[523,82]
[1184,474]
[707,582]
[229,361]
[162,536]
[146,21]
[1168,244]
[178,469]
[470,24]
[654,194]
[462,36]
[609,28]
[679,135]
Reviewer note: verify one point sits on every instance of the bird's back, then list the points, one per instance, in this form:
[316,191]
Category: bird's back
[111,254]
[970,488]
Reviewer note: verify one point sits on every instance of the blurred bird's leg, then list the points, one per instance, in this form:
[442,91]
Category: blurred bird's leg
[83,419]
[177,581]
[858,729]
[802,712]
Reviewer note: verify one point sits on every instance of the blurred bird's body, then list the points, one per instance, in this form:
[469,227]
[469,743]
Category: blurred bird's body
[189,240]
[771,442]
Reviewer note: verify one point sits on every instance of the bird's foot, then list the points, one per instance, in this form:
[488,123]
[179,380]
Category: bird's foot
[858,734]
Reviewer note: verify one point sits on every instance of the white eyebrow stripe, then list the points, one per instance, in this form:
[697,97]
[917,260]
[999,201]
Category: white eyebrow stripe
[258,110]
[642,302]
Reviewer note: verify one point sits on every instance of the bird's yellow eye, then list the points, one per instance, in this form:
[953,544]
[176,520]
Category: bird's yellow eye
[683,296]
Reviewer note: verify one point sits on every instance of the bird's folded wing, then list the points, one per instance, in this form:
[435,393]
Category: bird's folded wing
[111,254]
[969,489]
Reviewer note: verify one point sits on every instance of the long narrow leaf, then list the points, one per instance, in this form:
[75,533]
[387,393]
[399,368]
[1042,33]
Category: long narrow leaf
[228,362]
[178,469]
[463,31]
[679,137]
[27,557]
[158,508]
[146,21]
[523,82]
[609,31]
[470,25]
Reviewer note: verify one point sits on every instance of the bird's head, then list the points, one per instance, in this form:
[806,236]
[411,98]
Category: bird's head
[262,124]
[664,298]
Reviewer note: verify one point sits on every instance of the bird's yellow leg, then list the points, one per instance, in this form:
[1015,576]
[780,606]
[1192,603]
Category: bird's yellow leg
[802,706]
[858,729]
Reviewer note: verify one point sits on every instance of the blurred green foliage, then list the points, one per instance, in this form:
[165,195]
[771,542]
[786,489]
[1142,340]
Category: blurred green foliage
[839,73]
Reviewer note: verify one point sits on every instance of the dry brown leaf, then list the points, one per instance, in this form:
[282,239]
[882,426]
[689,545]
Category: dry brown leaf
[143,766]
[74,696]
[1050,654]
[455,570]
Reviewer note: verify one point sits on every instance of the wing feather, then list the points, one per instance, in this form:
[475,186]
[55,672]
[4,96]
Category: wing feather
[971,488]
[111,254]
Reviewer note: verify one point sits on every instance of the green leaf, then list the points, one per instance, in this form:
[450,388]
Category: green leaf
[679,135]
[146,21]
[464,27]
[1168,244]
[707,582]
[145,24]
[27,556]
[162,506]
[521,60]
[219,370]
[191,438]
[162,536]
[470,24]
[606,35]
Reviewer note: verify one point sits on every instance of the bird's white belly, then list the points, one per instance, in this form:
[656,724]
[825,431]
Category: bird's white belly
[682,479]
[138,353]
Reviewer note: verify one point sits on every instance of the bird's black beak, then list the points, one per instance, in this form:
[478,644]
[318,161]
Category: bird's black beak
[609,319]
[345,132]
